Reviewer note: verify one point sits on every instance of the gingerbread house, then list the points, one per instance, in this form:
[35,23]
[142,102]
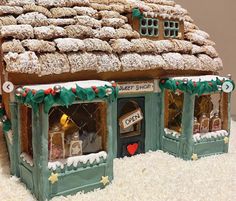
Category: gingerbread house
[85,81]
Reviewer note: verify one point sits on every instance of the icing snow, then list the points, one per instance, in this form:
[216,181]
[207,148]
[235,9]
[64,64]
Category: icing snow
[172,132]
[201,78]
[75,160]
[27,158]
[69,85]
[199,136]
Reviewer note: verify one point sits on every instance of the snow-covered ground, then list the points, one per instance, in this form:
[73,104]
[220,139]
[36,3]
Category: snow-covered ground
[149,177]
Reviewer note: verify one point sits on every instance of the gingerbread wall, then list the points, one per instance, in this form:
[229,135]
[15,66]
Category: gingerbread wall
[217,18]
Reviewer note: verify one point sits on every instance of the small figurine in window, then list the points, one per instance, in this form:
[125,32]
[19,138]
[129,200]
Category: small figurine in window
[75,145]
[196,126]
[216,123]
[56,143]
[204,124]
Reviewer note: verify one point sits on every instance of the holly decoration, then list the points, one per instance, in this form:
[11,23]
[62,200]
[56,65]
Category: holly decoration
[64,96]
[137,13]
[192,87]
[6,122]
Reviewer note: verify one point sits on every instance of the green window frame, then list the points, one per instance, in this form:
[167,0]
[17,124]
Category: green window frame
[149,27]
[171,29]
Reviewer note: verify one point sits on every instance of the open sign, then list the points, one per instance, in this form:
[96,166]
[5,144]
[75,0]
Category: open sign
[131,118]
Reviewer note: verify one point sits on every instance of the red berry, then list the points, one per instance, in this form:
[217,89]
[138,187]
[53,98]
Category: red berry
[24,94]
[34,91]
[53,93]
[48,91]
[113,84]
[27,90]
[73,90]
[96,91]
[194,84]
[163,81]
[177,83]
[94,88]
[210,83]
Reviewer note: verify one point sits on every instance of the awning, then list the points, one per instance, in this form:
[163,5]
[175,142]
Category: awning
[65,93]
[198,84]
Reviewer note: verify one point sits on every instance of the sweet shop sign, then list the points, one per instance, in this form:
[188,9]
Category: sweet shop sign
[135,87]
[131,118]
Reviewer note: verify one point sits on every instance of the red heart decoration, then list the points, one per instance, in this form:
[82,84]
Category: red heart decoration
[132,148]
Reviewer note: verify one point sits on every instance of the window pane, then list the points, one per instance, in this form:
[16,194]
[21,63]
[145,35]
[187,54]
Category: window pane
[26,134]
[77,130]
[208,113]
[129,109]
[173,110]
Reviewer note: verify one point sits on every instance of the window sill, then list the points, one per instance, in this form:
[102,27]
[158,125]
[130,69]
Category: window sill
[78,161]
[27,159]
[171,134]
[210,136]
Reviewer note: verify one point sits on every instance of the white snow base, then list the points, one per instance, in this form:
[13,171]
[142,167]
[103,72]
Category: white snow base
[27,158]
[199,136]
[75,160]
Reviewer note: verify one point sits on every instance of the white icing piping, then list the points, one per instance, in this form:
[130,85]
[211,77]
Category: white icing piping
[75,160]
[27,158]
[69,85]
[201,78]
[199,136]
[172,132]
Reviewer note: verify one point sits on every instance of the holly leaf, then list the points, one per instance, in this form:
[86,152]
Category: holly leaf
[90,94]
[137,13]
[48,102]
[81,93]
[101,92]
[67,96]
[6,125]
[39,96]
[190,87]
[28,98]
[201,89]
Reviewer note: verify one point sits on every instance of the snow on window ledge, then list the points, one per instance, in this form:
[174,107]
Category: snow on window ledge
[27,158]
[76,160]
[172,133]
[210,135]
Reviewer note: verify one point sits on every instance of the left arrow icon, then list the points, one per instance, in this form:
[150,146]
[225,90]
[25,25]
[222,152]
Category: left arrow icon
[8,87]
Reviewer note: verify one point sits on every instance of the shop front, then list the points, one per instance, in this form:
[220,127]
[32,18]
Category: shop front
[196,115]
[64,139]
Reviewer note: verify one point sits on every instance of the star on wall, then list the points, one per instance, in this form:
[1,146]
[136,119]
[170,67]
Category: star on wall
[194,157]
[105,180]
[226,139]
[53,178]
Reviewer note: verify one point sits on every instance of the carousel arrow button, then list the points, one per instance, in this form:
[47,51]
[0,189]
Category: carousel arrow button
[7,87]
[227,87]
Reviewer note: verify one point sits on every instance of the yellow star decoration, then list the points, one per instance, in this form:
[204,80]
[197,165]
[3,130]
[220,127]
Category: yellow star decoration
[194,157]
[53,178]
[226,139]
[105,180]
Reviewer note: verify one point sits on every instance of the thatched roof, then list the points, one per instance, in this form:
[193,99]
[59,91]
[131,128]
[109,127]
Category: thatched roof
[47,37]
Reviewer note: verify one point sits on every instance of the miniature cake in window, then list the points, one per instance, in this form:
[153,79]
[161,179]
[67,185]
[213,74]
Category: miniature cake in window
[91,80]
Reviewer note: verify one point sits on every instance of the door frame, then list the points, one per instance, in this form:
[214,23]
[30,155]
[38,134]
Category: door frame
[140,138]
[152,120]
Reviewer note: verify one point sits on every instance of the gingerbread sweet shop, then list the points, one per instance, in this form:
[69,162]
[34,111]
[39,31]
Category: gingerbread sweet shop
[87,81]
